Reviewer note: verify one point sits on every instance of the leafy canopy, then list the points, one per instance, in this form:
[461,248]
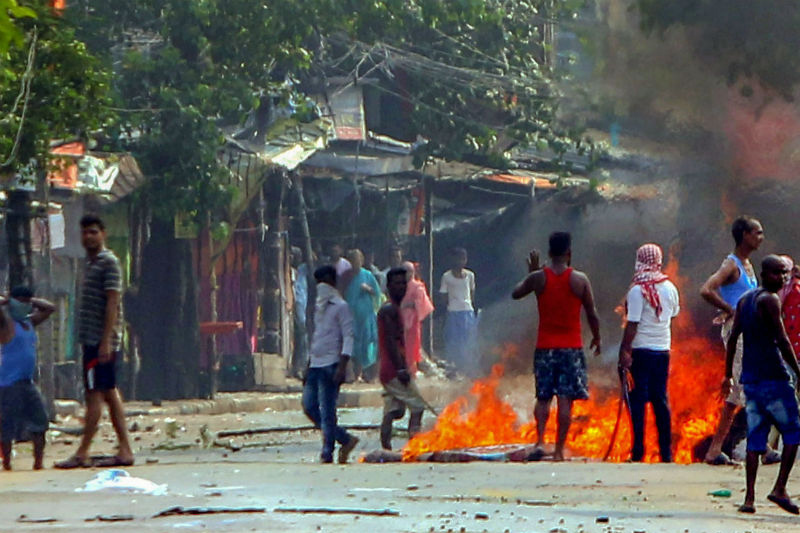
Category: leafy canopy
[51,87]
[471,72]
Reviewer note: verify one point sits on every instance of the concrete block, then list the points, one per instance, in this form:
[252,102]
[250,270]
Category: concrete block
[270,369]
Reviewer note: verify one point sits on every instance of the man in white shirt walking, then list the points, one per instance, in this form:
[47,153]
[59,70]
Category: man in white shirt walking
[458,284]
[652,303]
[331,347]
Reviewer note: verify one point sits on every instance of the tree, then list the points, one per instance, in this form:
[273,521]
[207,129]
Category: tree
[476,74]
[10,32]
[475,70]
[51,87]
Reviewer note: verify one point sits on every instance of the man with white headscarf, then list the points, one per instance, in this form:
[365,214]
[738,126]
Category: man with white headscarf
[652,303]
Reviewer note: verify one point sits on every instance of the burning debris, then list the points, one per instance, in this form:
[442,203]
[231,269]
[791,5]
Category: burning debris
[465,431]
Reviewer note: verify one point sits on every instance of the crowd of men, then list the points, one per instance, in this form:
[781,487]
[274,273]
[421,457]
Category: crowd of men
[372,318]
[760,329]
[364,287]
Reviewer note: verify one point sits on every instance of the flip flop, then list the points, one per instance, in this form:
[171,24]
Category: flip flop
[72,462]
[110,461]
[749,509]
[784,503]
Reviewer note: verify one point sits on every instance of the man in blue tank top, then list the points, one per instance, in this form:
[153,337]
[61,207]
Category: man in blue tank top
[22,412]
[723,290]
[768,387]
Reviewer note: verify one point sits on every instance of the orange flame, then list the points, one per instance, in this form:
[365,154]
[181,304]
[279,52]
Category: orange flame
[694,379]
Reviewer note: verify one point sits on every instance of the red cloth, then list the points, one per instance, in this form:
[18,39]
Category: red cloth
[415,307]
[559,313]
[387,371]
[648,273]
[791,315]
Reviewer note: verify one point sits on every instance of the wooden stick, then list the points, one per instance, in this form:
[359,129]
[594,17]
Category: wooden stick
[335,510]
[285,429]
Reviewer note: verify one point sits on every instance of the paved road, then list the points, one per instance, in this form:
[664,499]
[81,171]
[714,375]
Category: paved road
[283,472]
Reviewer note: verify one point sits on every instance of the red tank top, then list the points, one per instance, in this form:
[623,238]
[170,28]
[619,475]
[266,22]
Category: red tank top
[559,313]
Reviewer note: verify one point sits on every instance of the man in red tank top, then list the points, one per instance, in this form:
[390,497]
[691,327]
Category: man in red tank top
[559,365]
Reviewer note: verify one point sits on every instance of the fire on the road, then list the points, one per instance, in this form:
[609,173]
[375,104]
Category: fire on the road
[696,368]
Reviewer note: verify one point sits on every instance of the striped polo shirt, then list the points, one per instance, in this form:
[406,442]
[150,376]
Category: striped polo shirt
[100,275]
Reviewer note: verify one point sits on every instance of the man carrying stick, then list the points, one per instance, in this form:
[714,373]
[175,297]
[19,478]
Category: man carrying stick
[399,389]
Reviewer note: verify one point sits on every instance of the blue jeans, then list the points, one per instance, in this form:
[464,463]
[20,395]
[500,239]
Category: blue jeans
[650,370]
[320,394]
[771,403]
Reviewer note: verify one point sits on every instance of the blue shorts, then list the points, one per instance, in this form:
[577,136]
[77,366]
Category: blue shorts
[560,372]
[771,403]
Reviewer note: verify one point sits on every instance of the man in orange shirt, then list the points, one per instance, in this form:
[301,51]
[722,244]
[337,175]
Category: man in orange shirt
[559,365]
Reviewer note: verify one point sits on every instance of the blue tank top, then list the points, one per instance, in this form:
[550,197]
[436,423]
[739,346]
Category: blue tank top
[732,292]
[761,358]
[18,357]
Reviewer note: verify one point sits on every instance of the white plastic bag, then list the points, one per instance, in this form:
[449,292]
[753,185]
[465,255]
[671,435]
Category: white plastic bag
[121,481]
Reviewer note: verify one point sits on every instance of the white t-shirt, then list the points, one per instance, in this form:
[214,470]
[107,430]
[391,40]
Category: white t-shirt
[652,333]
[460,291]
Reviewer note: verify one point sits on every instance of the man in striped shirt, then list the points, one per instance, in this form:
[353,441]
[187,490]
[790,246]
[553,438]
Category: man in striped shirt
[99,332]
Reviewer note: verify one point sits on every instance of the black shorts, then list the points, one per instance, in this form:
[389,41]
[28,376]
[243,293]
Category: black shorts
[22,411]
[98,376]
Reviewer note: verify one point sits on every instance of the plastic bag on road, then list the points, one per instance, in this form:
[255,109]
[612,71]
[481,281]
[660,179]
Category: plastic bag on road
[121,481]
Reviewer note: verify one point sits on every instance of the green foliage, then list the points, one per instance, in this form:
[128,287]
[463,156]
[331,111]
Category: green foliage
[185,69]
[736,37]
[62,94]
[10,32]
[473,72]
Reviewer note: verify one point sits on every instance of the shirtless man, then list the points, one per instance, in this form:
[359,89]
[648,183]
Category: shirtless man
[764,375]
[723,290]
[559,365]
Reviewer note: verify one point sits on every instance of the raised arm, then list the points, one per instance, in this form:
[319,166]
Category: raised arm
[42,309]
[710,289]
[6,324]
[533,282]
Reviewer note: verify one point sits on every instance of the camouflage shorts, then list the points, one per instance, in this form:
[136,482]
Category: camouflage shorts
[560,372]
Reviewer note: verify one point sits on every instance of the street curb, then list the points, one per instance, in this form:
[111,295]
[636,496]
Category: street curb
[438,393]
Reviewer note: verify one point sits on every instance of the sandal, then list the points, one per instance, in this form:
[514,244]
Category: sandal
[749,509]
[109,461]
[72,462]
[784,503]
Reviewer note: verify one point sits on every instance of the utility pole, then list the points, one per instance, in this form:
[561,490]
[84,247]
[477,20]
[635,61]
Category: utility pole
[428,189]
[47,377]
[18,232]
